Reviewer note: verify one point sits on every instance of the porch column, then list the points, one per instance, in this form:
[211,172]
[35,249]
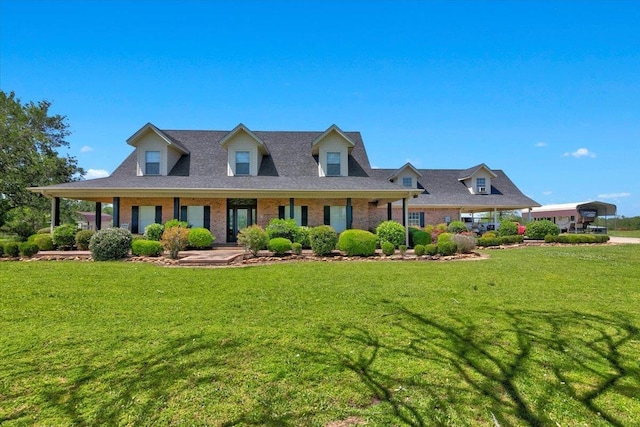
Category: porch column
[55,213]
[389,211]
[291,208]
[176,208]
[495,219]
[116,212]
[349,214]
[98,216]
[405,219]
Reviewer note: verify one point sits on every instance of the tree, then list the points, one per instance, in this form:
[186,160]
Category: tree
[30,139]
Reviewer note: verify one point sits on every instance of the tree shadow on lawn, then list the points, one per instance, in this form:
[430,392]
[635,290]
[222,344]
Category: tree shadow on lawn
[516,370]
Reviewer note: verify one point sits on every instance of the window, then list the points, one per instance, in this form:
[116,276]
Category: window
[407,182]
[481,185]
[300,214]
[338,218]
[414,219]
[152,163]
[146,216]
[333,164]
[242,162]
[195,216]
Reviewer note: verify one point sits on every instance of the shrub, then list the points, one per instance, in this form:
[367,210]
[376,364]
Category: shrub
[200,238]
[1,250]
[45,230]
[12,249]
[28,249]
[419,250]
[447,248]
[253,239]
[64,236]
[83,237]
[143,247]
[488,241]
[420,237]
[357,242]
[282,228]
[44,241]
[302,236]
[456,227]
[403,249]
[323,239]
[175,223]
[388,249]
[602,238]
[507,228]
[444,237]
[539,229]
[431,249]
[390,231]
[428,229]
[510,240]
[490,234]
[464,244]
[153,232]
[296,248]
[175,239]
[110,244]
[279,245]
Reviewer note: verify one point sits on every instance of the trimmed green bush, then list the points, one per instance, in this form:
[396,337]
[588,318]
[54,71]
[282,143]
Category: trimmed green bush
[444,237]
[279,245]
[390,231]
[296,248]
[510,240]
[110,244]
[489,234]
[419,250]
[12,249]
[153,232]
[488,241]
[357,242]
[402,249]
[302,236]
[576,239]
[539,229]
[176,223]
[419,237]
[388,248]
[253,239]
[447,248]
[83,237]
[64,236]
[464,244]
[431,249]
[456,227]
[200,238]
[282,228]
[143,247]
[45,230]
[507,228]
[44,241]
[323,239]
[28,249]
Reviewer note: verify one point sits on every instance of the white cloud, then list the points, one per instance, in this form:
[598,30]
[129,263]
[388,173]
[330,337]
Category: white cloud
[547,193]
[96,173]
[613,195]
[580,152]
[86,149]
[541,144]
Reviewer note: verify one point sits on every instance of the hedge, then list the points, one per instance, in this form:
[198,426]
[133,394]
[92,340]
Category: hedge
[357,242]
[143,247]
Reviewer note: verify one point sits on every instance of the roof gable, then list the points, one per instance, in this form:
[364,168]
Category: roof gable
[241,128]
[149,127]
[315,144]
[407,166]
[468,173]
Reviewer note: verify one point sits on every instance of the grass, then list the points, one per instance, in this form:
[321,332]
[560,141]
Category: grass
[532,336]
[624,233]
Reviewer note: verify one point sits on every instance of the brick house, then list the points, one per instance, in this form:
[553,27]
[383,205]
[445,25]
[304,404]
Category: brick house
[226,180]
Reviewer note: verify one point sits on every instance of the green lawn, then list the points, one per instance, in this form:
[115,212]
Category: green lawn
[625,233]
[532,336]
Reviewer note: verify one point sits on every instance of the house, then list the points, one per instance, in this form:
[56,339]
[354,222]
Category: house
[227,180]
[574,216]
[87,220]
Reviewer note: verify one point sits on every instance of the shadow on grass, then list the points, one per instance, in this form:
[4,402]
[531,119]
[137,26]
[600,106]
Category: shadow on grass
[518,365]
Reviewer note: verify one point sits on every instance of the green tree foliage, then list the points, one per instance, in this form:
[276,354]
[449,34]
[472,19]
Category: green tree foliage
[31,138]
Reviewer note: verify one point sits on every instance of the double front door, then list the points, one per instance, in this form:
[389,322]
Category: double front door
[241,213]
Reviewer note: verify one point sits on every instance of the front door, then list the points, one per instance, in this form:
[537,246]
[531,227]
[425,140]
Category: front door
[241,213]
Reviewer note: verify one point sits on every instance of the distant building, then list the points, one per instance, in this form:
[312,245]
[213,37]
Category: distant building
[88,221]
[574,216]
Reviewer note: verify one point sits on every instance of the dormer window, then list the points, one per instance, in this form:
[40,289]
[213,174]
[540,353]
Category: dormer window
[152,163]
[481,185]
[243,162]
[407,182]
[333,164]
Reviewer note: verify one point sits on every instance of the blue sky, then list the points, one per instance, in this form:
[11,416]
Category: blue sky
[547,91]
